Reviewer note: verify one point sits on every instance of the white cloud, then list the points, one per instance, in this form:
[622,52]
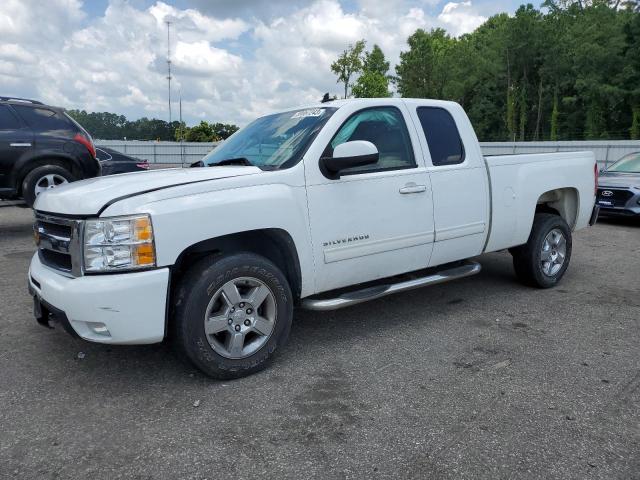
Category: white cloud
[460,17]
[227,68]
[194,26]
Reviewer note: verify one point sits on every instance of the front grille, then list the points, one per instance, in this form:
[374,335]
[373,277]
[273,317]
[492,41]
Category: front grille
[57,260]
[58,241]
[56,229]
[617,196]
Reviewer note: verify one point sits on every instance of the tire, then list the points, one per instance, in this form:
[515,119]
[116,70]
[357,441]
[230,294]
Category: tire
[41,178]
[205,292]
[541,245]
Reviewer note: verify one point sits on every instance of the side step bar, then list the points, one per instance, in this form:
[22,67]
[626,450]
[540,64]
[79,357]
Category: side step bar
[370,293]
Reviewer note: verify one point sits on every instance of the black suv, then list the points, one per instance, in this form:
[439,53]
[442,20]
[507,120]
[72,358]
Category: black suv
[41,147]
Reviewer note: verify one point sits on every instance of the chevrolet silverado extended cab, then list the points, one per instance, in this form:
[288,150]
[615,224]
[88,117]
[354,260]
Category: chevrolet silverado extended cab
[319,207]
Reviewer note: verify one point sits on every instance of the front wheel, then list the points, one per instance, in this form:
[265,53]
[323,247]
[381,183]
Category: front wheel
[232,313]
[544,259]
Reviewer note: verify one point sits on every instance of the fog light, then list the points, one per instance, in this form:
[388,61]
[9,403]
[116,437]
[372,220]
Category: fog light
[99,328]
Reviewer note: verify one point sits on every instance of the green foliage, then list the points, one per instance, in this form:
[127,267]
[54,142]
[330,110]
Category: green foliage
[635,124]
[371,85]
[207,132]
[424,70]
[572,72]
[374,80]
[348,64]
[553,135]
[109,126]
[375,61]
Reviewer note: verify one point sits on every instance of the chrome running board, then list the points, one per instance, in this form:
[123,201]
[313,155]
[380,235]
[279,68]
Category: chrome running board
[370,293]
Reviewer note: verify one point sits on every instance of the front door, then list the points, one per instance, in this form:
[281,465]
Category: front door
[377,220]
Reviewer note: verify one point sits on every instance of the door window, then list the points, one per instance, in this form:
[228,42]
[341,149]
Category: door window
[8,120]
[40,118]
[386,129]
[441,132]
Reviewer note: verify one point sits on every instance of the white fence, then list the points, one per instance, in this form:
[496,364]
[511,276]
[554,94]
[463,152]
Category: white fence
[606,152]
[161,152]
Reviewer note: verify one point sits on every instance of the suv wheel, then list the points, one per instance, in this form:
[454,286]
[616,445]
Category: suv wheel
[41,179]
[232,313]
[544,259]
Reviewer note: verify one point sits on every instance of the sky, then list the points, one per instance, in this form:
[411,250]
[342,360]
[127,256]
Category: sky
[232,60]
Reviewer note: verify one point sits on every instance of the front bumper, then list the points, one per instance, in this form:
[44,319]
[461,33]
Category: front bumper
[619,212]
[622,202]
[126,308]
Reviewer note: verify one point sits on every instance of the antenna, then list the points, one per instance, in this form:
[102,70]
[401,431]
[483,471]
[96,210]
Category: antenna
[169,64]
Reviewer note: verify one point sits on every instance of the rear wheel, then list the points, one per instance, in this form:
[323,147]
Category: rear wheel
[544,259]
[232,313]
[43,178]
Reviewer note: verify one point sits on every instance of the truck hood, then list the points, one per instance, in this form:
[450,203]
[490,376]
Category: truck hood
[89,197]
[619,180]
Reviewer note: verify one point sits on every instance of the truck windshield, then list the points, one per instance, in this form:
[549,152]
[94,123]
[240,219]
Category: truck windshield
[627,164]
[273,141]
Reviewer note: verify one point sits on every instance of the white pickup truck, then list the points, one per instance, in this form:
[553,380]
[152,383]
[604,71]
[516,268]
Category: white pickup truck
[320,207]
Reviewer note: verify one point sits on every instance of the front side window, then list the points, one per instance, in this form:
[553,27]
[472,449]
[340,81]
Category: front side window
[8,120]
[441,132]
[386,129]
[271,142]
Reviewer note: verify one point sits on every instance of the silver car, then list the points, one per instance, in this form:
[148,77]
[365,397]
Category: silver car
[619,187]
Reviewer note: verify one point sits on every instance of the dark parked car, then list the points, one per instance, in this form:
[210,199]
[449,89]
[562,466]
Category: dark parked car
[114,162]
[41,147]
[619,188]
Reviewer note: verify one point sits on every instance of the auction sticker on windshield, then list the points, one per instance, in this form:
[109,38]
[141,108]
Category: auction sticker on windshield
[311,112]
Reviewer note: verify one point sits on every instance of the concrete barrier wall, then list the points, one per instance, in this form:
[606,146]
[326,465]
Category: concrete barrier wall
[606,152]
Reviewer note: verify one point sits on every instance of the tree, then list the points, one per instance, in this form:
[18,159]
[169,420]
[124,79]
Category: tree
[571,71]
[348,63]
[375,61]
[631,72]
[371,85]
[224,130]
[374,80]
[424,69]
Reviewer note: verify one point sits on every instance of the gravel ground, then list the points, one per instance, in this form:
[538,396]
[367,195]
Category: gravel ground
[479,378]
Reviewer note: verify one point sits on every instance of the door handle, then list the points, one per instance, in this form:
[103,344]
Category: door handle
[413,188]
[19,144]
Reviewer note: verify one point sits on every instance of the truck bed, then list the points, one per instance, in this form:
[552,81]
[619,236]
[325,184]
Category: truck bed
[519,182]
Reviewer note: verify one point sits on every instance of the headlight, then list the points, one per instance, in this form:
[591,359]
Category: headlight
[119,243]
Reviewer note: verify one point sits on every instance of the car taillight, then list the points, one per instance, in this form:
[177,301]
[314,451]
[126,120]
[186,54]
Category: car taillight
[144,165]
[87,143]
[596,174]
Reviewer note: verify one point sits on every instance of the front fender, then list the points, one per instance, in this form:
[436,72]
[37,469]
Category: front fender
[182,221]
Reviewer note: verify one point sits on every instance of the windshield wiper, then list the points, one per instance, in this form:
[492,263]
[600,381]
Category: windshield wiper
[233,161]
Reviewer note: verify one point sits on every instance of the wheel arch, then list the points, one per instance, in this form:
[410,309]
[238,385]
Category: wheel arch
[28,165]
[275,244]
[561,201]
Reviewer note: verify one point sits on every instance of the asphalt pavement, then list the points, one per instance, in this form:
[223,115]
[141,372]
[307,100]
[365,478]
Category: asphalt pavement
[479,378]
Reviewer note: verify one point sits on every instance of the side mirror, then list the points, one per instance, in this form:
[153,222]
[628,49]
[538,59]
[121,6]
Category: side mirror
[347,155]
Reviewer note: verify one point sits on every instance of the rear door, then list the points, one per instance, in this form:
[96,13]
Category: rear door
[458,178]
[374,221]
[16,140]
